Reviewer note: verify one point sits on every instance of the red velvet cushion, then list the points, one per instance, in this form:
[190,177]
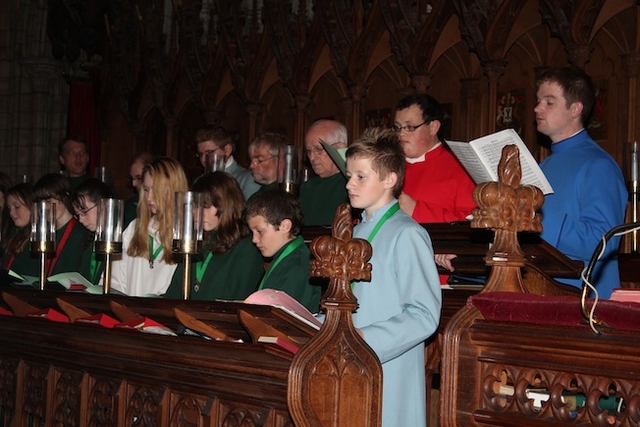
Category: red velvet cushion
[547,310]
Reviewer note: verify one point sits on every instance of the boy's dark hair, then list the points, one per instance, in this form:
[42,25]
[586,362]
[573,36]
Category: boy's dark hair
[90,190]
[53,185]
[431,109]
[382,147]
[576,85]
[276,206]
[217,134]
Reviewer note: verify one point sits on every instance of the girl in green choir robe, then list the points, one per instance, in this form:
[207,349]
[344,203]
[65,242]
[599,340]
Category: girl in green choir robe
[85,201]
[17,253]
[230,266]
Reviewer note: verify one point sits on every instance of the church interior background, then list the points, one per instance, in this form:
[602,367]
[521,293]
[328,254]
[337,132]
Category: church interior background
[136,75]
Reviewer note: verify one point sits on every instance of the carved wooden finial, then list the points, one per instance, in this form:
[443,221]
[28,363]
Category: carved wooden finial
[507,207]
[336,362]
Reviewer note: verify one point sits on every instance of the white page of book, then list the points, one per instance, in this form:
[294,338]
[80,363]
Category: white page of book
[490,147]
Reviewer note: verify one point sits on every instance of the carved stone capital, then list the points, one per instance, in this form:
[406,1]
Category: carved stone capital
[421,82]
[254,109]
[631,62]
[41,72]
[579,55]
[358,91]
[494,69]
[470,86]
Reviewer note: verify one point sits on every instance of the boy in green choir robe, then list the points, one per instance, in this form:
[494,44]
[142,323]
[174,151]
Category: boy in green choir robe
[73,241]
[275,219]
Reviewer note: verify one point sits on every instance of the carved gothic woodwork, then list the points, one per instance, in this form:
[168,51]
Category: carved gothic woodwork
[414,28]
[572,22]
[337,354]
[507,208]
[83,374]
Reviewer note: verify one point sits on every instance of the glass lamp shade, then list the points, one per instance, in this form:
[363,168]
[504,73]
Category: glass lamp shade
[110,221]
[216,162]
[43,226]
[289,170]
[187,223]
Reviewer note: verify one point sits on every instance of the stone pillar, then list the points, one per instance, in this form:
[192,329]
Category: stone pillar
[358,92]
[302,101]
[469,93]
[43,116]
[493,69]
[254,109]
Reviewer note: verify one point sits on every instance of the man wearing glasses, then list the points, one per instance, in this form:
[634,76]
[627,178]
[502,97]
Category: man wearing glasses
[322,193]
[436,187]
[216,140]
[263,159]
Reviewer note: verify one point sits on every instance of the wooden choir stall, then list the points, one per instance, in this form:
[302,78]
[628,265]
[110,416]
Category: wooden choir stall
[63,363]
[521,352]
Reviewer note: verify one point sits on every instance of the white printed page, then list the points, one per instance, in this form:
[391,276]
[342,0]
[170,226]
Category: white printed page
[480,172]
[490,148]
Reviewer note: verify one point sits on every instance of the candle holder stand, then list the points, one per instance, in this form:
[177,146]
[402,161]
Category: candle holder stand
[107,249]
[108,235]
[187,248]
[187,233]
[43,235]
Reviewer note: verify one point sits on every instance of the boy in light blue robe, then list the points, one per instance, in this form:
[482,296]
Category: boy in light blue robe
[400,307]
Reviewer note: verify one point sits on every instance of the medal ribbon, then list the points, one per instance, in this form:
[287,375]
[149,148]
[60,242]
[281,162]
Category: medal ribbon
[65,237]
[153,254]
[201,267]
[292,247]
[388,214]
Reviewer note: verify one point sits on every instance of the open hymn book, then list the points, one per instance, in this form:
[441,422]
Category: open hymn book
[480,157]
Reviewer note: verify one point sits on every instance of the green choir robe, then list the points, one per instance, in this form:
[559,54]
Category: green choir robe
[233,275]
[291,275]
[24,263]
[75,255]
[264,188]
[319,198]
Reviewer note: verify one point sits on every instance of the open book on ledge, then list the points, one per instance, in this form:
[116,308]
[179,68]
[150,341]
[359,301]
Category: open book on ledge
[480,157]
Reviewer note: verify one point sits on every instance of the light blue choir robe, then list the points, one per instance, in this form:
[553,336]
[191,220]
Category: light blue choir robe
[398,310]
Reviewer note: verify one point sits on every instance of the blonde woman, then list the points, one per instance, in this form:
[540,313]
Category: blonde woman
[147,263]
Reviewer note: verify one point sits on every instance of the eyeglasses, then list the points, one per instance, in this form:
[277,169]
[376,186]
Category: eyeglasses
[318,150]
[410,128]
[84,212]
[199,154]
[258,160]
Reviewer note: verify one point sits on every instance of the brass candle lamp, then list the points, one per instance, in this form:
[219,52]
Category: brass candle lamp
[187,232]
[108,236]
[43,234]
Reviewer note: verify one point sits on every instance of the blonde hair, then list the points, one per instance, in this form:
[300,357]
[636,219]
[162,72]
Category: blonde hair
[168,178]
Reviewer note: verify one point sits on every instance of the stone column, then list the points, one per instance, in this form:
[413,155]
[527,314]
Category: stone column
[302,101]
[43,116]
[493,69]
[469,93]
[254,109]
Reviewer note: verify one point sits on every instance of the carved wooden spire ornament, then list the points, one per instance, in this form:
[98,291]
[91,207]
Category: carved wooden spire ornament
[506,207]
[348,361]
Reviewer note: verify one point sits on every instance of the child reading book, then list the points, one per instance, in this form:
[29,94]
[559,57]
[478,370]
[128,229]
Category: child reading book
[73,248]
[230,266]
[85,200]
[17,254]
[275,219]
[147,263]
[400,307]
